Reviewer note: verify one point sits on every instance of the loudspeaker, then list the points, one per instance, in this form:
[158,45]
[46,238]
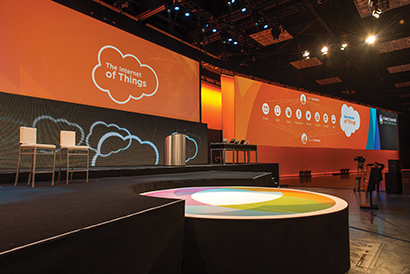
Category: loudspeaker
[393,183]
[394,166]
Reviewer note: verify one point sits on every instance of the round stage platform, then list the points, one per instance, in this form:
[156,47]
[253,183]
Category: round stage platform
[251,202]
[240,229]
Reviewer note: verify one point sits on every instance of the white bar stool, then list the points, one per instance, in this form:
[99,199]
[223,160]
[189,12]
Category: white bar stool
[29,146]
[70,149]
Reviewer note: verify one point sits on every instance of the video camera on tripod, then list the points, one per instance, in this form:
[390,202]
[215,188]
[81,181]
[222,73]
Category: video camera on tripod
[360,172]
[360,161]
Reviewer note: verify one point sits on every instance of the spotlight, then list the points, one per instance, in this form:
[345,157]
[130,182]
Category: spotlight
[376,13]
[214,29]
[370,39]
[343,46]
[235,43]
[229,2]
[306,54]
[265,26]
[230,39]
[176,8]
[243,9]
[275,33]
[187,14]
[324,50]
[378,7]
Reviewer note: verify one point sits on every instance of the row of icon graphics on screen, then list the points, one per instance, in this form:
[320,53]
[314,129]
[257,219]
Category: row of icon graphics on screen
[95,140]
[298,114]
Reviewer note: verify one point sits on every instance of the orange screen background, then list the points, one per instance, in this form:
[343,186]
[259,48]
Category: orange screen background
[211,106]
[50,51]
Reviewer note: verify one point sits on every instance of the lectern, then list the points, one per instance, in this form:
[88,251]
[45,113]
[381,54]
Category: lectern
[175,150]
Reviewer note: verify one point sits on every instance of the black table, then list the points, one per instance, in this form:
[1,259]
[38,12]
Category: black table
[222,147]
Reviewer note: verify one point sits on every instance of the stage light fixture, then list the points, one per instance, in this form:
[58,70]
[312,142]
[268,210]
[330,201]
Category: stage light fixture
[214,29]
[243,9]
[187,14]
[256,17]
[168,5]
[176,8]
[224,35]
[235,43]
[370,39]
[324,50]
[266,26]
[203,24]
[378,7]
[276,33]
[376,13]
[229,2]
[306,54]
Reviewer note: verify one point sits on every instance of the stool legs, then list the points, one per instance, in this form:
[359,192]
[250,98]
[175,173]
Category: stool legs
[32,173]
[18,168]
[88,156]
[66,153]
[67,165]
[54,168]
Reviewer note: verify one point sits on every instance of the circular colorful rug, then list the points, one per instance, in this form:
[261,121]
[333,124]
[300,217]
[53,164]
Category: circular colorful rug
[237,202]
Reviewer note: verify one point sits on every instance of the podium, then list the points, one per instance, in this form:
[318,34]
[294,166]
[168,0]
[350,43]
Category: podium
[175,150]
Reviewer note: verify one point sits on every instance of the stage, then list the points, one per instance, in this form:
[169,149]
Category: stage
[105,226]
[9,175]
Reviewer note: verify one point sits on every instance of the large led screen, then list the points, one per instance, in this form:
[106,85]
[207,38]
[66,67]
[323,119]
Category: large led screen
[270,115]
[115,138]
[50,51]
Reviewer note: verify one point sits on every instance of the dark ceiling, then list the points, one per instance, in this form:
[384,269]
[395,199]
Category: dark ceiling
[374,74]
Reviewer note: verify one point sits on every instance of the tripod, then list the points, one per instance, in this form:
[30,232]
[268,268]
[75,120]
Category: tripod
[359,176]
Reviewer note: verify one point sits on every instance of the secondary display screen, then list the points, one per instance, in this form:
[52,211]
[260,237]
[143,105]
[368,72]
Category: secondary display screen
[50,51]
[270,115]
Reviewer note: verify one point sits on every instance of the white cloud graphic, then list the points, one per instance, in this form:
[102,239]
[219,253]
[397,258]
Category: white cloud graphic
[79,129]
[111,91]
[122,133]
[349,120]
[13,137]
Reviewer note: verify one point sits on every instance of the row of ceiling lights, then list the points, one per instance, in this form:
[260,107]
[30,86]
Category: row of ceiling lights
[256,17]
[377,7]
[325,49]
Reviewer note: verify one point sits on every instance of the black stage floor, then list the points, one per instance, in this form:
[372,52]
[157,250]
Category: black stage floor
[85,222]
[32,214]
[8,176]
